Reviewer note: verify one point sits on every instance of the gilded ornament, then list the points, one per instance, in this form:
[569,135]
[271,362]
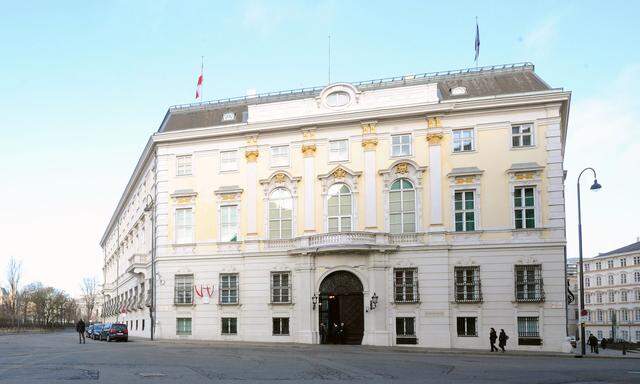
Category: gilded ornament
[368,128]
[308,150]
[402,168]
[434,138]
[228,196]
[339,173]
[434,122]
[251,156]
[279,178]
[252,140]
[524,175]
[464,180]
[369,144]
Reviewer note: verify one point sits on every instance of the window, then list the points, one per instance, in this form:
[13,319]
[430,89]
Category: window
[587,267]
[339,208]
[281,326]
[184,289]
[636,260]
[527,328]
[599,333]
[402,207]
[183,165]
[280,287]
[405,330]
[610,279]
[624,314]
[623,278]
[612,297]
[529,283]
[184,225]
[587,282]
[228,116]
[612,315]
[136,325]
[467,326]
[467,280]
[636,277]
[463,140]
[338,99]
[401,145]
[637,294]
[143,324]
[228,288]
[280,214]
[598,281]
[522,135]
[600,316]
[587,298]
[637,316]
[623,262]
[625,335]
[228,161]
[229,223]
[406,285]
[183,326]
[598,265]
[229,326]
[339,150]
[525,207]
[599,297]
[464,207]
[280,156]
[609,263]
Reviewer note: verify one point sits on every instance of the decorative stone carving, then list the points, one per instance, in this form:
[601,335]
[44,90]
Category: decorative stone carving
[369,127]
[434,122]
[434,138]
[251,155]
[252,140]
[341,282]
[370,144]
[279,178]
[524,175]
[308,150]
[339,173]
[402,168]
[465,180]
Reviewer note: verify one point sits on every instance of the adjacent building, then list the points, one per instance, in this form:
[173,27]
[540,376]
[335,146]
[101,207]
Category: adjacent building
[612,294]
[419,210]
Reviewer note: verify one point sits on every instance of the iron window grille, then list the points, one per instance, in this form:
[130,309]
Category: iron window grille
[183,326]
[406,285]
[229,288]
[467,326]
[184,289]
[229,326]
[467,284]
[280,326]
[280,287]
[528,331]
[529,283]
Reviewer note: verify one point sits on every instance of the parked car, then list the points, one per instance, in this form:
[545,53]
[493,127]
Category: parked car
[114,332]
[95,331]
[88,330]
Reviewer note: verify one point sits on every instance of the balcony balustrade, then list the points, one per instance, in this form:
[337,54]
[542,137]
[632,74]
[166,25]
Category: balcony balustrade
[137,263]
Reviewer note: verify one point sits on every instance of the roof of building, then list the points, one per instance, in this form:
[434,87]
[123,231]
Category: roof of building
[477,82]
[626,249]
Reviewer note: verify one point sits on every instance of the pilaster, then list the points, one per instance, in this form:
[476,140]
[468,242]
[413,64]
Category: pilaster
[369,145]
[434,138]
[308,153]
[251,154]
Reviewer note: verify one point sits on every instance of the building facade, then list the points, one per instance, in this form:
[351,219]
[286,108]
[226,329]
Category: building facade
[612,294]
[419,210]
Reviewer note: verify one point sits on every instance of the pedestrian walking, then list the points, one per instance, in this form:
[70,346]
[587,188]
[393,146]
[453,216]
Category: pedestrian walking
[80,328]
[323,333]
[593,343]
[502,339]
[493,336]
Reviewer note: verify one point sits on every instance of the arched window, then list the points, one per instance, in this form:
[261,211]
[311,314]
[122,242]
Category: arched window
[402,207]
[339,208]
[280,214]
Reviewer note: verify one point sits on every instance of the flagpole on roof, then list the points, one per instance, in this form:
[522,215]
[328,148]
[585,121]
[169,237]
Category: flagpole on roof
[477,43]
[201,74]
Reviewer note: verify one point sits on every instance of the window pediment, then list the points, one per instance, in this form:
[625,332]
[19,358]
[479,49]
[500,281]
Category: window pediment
[340,174]
[280,179]
[403,168]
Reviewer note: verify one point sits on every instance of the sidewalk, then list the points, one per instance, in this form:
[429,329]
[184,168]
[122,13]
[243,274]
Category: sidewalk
[608,353]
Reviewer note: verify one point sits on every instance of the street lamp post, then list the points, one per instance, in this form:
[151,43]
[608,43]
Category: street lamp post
[594,187]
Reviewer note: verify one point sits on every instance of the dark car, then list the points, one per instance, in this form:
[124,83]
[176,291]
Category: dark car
[114,332]
[95,331]
[88,330]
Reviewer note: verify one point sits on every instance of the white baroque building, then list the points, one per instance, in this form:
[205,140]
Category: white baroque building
[612,294]
[420,210]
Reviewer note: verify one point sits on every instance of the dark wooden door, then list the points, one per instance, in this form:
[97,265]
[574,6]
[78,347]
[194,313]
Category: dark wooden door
[352,315]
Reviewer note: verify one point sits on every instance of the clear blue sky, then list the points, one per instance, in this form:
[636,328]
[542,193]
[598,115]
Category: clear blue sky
[83,85]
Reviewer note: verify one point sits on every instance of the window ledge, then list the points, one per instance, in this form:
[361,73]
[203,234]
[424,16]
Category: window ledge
[467,335]
[406,302]
[281,304]
[523,147]
[229,304]
[184,244]
[184,304]
[228,171]
[464,152]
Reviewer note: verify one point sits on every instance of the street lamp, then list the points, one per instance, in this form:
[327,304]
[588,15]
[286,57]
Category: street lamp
[594,187]
[314,300]
[373,303]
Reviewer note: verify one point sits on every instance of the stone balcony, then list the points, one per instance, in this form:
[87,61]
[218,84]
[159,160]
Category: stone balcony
[137,263]
[354,241]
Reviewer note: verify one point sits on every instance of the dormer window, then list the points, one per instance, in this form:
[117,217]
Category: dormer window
[228,116]
[338,99]
[457,91]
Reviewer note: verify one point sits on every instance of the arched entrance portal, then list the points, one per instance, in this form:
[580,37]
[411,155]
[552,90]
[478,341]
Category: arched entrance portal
[342,301]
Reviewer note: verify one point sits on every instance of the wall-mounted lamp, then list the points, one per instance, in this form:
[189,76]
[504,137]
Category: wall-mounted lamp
[314,300]
[373,302]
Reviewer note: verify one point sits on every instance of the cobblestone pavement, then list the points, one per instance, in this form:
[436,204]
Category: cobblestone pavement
[57,357]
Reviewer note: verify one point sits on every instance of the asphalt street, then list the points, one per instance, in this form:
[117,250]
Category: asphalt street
[57,357]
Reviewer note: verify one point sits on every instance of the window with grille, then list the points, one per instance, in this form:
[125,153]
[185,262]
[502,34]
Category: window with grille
[464,210]
[281,326]
[339,150]
[406,285]
[528,327]
[280,156]
[229,223]
[522,135]
[228,288]
[184,225]
[467,326]
[401,145]
[529,283]
[280,287]
[184,289]
[229,326]
[524,207]
[405,330]
[280,214]
[228,160]
[183,165]
[402,207]
[467,284]
[339,206]
[183,326]
[463,140]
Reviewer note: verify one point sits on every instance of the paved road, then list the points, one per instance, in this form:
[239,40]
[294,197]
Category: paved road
[56,358]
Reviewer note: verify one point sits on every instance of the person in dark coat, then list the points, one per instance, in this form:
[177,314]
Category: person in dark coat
[493,336]
[603,343]
[323,334]
[593,343]
[80,328]
[340,333]
[502,340]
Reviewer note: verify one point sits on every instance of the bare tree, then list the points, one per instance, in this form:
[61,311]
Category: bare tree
[14,274]
[89,293]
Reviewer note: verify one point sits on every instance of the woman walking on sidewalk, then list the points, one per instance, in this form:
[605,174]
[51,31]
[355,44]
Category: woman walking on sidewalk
[492,339]
[502,339]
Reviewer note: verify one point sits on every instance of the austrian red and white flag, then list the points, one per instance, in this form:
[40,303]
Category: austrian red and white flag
[199,87]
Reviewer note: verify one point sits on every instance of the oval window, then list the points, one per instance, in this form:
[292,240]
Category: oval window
[338,99]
